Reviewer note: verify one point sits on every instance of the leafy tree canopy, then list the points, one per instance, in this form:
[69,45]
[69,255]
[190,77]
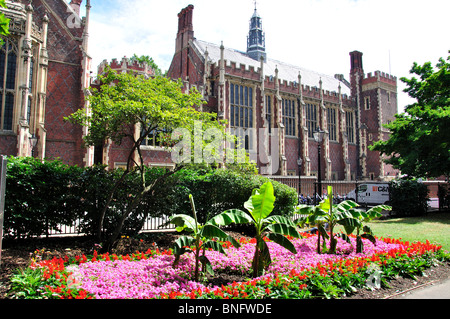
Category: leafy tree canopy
[420,141]
[4,22]
[147,59]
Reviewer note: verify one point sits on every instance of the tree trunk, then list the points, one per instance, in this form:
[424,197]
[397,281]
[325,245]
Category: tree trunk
[113,238]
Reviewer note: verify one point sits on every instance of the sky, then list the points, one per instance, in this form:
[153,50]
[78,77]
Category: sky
[313,34]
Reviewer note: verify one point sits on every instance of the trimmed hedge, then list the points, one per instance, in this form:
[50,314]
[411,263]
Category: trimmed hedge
[42,195]
[408,197]
[215,191]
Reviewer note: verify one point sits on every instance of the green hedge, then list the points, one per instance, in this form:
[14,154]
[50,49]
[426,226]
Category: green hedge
[217,190]
[42,195]
[408,197]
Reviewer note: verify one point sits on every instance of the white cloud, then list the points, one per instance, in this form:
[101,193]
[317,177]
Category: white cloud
[315,34]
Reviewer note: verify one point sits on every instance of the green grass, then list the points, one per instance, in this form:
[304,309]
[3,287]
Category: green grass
[434,226]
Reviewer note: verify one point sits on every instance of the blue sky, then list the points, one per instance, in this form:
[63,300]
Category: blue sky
[314,34]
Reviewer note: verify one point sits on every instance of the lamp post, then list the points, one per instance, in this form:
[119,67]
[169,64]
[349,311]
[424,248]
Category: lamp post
[33,142]
[299,163]
[318,137]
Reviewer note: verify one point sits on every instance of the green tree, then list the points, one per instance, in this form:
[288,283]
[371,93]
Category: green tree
[4,22]
[127,109]
[150,62]
[419,144]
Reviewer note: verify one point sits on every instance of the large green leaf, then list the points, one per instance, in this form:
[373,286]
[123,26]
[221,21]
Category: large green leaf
[262,202]
[283,229]
[375,212]
[301,221]
[211,231]
[304,209]
[323,231]
[370,237]
[214,245]
[181,246]
[278,219]
[231,216]
[349,224]
[319,216]
[183,222]
[346,205]
[205,261]
[282,241]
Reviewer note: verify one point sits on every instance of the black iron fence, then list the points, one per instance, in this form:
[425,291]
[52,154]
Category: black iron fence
[308,188]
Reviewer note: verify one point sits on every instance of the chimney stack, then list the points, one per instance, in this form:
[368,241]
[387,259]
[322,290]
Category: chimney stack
[356,62]
[185,28]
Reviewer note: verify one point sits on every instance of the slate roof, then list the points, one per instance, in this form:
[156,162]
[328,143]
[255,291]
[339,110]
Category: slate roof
[286,71]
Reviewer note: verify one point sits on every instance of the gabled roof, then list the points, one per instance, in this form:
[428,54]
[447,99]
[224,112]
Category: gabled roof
[286,71]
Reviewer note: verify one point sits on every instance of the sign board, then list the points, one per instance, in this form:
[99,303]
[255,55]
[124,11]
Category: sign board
[3,161]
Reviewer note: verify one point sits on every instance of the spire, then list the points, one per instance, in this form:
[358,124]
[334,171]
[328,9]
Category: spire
[256,43]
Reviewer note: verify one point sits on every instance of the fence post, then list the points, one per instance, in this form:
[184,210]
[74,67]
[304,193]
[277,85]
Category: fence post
[3,162]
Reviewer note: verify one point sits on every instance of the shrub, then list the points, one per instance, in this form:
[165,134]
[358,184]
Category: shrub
[38,196]
[41,195]
[216,191]
[408,197]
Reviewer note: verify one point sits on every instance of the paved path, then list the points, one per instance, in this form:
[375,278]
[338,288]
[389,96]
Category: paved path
[433,290]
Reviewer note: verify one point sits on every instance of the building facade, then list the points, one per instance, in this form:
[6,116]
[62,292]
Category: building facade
[273,106]
[44,72]
[277,107]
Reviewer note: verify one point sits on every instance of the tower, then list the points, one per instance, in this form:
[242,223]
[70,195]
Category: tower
[256,43]
[375,97]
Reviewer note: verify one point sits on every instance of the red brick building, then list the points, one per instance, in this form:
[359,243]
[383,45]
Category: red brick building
[274,106]
[45,71]
[252,91]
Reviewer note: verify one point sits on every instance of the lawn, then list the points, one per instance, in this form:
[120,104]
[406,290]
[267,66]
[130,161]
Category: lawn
[434,227]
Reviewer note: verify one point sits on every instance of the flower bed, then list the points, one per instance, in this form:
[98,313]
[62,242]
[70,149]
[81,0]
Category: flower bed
[304,275]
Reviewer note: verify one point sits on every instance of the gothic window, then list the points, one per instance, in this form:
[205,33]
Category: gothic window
[8,64]
[332,127]
[311,119]
[367,103]
[289,116]
[30,92]
[350,125]
[241,106]
[154,139]
[269,112]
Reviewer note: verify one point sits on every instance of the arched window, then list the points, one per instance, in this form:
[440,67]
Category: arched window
[8,66]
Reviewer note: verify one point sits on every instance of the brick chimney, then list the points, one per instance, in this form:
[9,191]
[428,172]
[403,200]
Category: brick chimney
[356,62]
[76,4]
[185,28]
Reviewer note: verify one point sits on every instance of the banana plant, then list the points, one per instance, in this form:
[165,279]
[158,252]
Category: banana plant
[203,236]
[260,205]
[345,214]
[356,222]
[325,213]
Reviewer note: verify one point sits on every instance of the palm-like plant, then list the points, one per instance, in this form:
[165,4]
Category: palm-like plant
[203,236]
[356,222]
[345,214]
[260,205]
